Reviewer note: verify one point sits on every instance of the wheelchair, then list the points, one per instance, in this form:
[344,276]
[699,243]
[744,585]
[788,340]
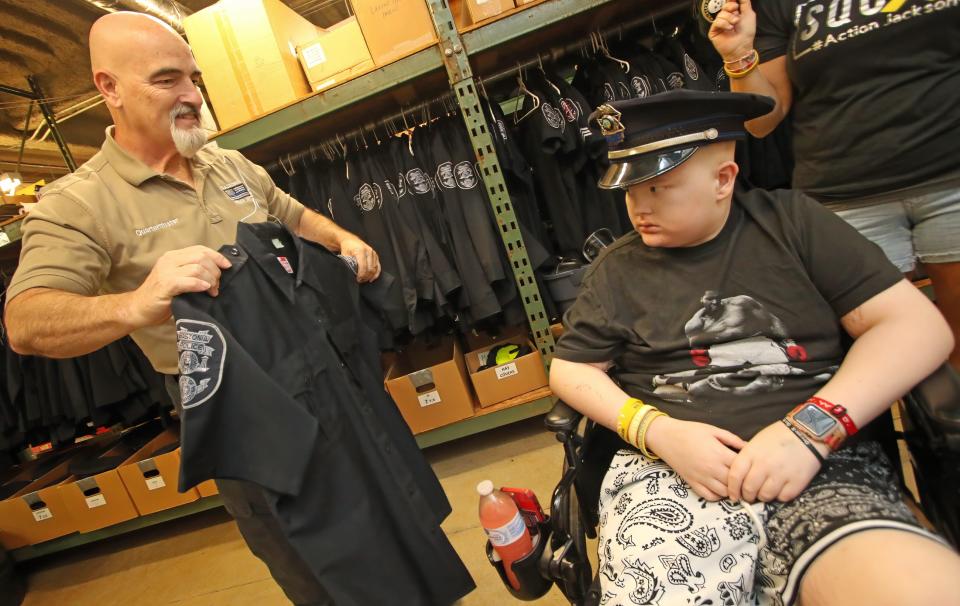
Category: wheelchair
[931,430]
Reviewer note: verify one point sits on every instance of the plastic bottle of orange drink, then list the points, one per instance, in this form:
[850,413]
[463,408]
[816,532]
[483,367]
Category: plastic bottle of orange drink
[505,528]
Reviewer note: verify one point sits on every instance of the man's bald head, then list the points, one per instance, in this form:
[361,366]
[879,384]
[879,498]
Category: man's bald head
[148,76]
[119,40]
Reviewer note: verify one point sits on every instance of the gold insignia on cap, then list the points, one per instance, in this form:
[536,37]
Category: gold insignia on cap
[608,119]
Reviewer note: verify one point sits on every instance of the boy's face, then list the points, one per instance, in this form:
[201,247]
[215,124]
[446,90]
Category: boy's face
[686,206]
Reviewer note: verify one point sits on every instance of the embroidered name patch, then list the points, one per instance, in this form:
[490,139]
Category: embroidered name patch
[202,351]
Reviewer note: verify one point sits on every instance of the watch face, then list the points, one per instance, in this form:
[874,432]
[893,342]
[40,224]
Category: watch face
[818,422]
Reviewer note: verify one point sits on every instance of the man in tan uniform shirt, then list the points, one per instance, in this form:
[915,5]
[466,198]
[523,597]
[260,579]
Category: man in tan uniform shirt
[109,246]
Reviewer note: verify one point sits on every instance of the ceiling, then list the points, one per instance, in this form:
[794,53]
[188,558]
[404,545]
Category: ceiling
[48,39]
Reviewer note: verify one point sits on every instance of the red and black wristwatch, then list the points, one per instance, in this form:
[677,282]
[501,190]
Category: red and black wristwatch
[823,421]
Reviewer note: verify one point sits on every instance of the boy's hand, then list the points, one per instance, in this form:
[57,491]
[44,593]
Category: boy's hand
[774,466]
[701,454]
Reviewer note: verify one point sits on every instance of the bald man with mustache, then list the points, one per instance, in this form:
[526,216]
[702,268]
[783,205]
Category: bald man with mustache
[110,245]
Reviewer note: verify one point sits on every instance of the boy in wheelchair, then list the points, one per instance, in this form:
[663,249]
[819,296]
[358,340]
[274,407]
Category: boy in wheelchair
[740,480]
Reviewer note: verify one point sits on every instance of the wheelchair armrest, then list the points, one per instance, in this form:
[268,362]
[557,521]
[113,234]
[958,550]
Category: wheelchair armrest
[562,418]
[938,399]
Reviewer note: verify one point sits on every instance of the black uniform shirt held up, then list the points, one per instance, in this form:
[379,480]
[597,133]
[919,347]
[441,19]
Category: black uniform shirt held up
[281,386]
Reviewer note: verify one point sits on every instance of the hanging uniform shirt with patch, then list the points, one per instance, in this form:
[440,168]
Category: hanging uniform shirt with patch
[281,386]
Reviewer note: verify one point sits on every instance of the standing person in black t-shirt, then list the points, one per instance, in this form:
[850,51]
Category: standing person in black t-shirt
[873,88]
[725,310]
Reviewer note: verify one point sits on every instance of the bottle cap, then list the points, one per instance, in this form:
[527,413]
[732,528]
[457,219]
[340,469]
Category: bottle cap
[485,488]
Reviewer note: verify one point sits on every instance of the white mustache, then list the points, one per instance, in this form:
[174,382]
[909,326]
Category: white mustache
[184,110]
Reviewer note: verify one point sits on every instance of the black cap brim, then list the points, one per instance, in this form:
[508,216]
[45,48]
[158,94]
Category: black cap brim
[621,175]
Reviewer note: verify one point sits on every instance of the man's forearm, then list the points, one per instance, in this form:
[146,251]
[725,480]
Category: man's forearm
[317,228]
[588,388]
[755,82]
[59,324]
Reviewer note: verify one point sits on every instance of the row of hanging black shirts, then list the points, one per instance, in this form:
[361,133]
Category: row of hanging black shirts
[47,400]
[420,202]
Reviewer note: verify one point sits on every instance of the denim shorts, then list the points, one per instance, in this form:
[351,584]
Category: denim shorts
[924,226]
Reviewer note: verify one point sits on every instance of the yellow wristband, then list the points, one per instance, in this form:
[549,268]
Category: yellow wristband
[635,423]
[642,433]
[627,411]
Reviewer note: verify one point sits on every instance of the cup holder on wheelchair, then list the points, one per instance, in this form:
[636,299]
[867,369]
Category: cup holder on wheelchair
[527,569]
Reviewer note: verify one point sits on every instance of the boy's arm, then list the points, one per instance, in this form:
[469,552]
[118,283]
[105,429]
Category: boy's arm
[700,453]
[900,338]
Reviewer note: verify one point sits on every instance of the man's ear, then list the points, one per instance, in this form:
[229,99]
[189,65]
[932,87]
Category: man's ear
[107,84]
[726,179]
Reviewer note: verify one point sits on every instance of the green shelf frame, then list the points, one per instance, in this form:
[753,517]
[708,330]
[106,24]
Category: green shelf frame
[483,422]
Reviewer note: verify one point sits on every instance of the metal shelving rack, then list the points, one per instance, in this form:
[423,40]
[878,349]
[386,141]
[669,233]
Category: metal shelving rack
[521,33]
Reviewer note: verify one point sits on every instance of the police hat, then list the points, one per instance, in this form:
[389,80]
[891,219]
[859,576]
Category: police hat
[650,136]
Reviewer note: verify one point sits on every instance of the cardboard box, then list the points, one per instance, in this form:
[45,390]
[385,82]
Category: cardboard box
[100,500]
[207,489]
[394,29]
[37,513]
[337,54]
[429,385]
[152,480]
[479,10]
[247,51]
[494,385]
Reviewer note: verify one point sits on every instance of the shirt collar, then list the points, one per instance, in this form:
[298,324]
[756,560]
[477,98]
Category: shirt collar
[131,169]
[255,238]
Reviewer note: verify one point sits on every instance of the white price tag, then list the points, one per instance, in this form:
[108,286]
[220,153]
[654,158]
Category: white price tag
[429,399]
[155,482]
[483,356]
[507,370]
[42,514]
[313,55]
[97,500]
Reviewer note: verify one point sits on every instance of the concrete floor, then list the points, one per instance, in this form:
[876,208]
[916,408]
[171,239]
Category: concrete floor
[201,560]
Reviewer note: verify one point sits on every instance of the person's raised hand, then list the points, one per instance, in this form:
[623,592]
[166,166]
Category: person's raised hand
[733,30]
[701,454]
[193,269]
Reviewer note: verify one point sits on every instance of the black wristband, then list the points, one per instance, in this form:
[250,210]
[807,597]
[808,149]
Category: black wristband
[803,438]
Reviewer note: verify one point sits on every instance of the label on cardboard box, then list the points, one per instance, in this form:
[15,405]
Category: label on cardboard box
[429,399]
[155,482]
[97,500]
[42,514]
[507,370]
[313,55]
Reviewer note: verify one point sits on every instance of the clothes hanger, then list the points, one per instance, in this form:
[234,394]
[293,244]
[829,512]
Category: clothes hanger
[547,78]
[290,170]
[606,53]
[523,91]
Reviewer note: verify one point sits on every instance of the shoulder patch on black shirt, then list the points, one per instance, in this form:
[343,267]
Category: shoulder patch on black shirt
[202,353]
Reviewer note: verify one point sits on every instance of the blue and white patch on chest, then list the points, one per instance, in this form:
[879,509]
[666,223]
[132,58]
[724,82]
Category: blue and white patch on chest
[238,192]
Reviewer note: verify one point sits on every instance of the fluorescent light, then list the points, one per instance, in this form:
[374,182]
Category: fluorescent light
[9,183]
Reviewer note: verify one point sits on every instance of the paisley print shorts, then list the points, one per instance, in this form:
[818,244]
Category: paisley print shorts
[661,544]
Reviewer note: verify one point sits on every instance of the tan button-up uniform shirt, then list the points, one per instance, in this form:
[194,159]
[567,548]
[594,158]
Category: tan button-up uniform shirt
[101,229]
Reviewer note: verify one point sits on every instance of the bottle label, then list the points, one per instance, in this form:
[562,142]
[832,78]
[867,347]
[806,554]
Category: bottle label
[508,533]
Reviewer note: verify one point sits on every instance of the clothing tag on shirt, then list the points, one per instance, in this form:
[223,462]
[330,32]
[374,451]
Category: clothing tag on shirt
[97,500]
[286,264]
[483,356]
[507,370]
[236,191]
[277,243]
